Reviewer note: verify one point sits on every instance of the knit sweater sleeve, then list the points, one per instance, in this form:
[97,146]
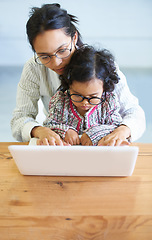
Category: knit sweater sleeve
[132,114]
[57,119]
[28,93]
[110,119]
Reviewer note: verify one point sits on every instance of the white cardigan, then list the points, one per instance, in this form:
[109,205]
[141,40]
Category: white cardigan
[37,82]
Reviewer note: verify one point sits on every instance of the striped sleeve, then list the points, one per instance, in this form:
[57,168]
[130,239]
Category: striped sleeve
[58,114]
[111,119]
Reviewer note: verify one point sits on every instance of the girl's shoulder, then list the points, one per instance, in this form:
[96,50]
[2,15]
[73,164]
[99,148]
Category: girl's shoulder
[111,100]
[60,98]
[110,96]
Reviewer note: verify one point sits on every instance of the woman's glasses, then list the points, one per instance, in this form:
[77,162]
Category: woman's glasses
[92,100]
[61,53]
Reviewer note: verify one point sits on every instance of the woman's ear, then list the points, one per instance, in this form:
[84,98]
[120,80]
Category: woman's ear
[75,38]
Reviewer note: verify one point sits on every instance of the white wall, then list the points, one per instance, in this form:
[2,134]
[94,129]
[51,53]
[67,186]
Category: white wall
[124,27]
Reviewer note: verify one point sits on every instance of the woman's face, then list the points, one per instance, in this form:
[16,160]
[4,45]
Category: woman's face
[51,41]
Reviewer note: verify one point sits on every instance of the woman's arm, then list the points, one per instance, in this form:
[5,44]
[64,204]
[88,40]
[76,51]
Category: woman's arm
[34,82]
[27,98]
[132,114]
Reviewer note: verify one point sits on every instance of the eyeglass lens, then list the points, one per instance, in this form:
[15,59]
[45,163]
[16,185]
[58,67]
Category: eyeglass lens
[44,59]
[79,98]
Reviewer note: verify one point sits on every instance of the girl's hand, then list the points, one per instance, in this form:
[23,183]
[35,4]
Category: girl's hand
[85,140]
[46,136]
[72,137]
[117,138]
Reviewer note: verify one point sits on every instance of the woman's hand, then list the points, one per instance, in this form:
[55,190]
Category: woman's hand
[46,136]
[117,138]
[72,137]
[85,140]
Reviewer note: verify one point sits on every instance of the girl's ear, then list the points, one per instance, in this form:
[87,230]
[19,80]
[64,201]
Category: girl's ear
[75,38]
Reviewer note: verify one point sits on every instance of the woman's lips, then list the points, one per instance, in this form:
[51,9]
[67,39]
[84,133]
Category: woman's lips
[59,71]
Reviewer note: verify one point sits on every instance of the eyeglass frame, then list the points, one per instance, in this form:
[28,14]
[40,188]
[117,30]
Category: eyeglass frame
[101,101]
[55,54]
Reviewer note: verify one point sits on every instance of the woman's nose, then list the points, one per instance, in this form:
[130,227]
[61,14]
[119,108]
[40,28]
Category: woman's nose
[55,61]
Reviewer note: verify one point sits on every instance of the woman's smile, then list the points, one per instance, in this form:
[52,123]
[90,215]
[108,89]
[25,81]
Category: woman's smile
[59,70]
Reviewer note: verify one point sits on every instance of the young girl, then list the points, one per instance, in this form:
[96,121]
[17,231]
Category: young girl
[86,104]
[54,37]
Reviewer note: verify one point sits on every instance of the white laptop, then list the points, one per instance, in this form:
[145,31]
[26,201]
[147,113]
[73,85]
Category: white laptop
[75,160]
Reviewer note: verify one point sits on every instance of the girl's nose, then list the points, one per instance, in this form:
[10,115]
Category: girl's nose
[85,101]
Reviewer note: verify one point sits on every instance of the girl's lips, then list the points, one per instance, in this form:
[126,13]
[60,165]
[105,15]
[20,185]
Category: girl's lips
[85,107]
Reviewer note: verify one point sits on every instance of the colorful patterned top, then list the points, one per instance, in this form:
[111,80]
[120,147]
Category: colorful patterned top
[97,122]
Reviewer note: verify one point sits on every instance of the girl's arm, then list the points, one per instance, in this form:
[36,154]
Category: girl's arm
[57,119]
[111,119]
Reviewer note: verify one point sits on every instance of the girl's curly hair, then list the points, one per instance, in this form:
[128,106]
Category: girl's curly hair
[88,63]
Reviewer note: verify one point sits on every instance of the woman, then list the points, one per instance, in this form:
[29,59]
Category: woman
[54,38]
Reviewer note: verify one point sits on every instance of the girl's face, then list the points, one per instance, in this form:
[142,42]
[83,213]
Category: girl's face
[92,88]
[51,41]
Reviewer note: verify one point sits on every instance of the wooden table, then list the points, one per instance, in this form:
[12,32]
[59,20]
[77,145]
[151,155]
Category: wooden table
[76,208]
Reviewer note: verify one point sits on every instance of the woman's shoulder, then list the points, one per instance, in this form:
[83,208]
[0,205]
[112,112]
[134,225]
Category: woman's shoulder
[37,73]
[30,74]
[30,63]
[33,66]
[122,84]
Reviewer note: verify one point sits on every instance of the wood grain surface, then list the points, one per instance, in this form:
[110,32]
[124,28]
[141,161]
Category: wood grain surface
[76,208]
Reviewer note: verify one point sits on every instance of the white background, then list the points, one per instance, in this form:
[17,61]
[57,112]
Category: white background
[124,27]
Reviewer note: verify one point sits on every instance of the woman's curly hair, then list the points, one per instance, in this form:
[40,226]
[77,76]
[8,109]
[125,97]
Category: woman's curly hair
[88,63]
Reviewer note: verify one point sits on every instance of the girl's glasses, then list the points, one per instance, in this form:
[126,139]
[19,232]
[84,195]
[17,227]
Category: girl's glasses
[92,100]
[61,53]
